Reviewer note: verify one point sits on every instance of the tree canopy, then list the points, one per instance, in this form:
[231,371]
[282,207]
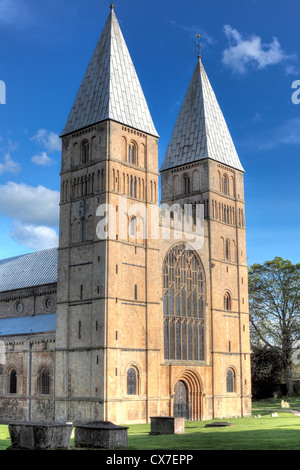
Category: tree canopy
[274,301]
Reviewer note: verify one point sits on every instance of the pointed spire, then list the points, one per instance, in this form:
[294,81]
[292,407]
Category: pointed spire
[110,88]
[198,36]
[200,131]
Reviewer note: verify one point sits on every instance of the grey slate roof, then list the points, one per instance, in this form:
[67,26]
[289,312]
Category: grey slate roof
[33,269]
[200,130]
[110,88]
[27,325]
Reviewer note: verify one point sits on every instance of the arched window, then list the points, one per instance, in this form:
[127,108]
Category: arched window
[131,382]
[131,186]
[134,187]
[227,250]
[186,184]
[124,148]
[83,229]
[13,381]
[133,228]
[132,153]
[44,381]
[230,381]
[90,228]
[225,184]
[183,305]
[93,148]
[118,188]
[85,152]
[227,302]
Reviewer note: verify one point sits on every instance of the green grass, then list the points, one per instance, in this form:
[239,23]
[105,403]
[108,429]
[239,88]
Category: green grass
[265,433]
[4,437]
[275,403]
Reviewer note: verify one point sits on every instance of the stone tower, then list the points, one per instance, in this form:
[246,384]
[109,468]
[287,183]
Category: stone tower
[106,284]
[148,324]
[201,166]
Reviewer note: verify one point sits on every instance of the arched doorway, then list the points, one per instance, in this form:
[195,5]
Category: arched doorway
[181,401]
[188,396]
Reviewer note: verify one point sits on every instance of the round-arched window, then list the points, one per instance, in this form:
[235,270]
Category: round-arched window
[230,381]
[13,381]
[131,382]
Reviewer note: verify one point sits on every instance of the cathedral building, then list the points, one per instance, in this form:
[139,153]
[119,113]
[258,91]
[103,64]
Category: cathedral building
[129,318]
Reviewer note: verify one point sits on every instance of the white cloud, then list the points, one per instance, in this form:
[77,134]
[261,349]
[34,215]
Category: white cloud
[34,237]
[29,205]
[193,30]
[287,134]
[42,159]
[242,53]
[48,139]
[9,166]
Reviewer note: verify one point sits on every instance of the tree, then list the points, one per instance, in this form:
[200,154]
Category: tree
[266,371]
[274,301]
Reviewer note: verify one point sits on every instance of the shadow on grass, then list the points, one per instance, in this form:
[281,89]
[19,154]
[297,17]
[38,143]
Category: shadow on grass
[277,439]
[254,434]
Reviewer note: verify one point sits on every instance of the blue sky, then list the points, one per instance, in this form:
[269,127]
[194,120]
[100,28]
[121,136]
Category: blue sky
[250,50]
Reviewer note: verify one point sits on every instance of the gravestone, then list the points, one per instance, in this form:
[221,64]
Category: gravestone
[218,424]
[167,425]
[40,436]
[100,435]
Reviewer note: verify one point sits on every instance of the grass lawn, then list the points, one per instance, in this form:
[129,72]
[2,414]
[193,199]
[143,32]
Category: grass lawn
[4,437]
[265,433]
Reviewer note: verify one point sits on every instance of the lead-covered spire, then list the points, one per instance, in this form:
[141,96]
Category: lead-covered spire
[200,130]
[110,88]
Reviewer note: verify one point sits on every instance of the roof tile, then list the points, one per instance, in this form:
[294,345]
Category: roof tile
[33,269]
[201,124]
[28,324]
[110,73]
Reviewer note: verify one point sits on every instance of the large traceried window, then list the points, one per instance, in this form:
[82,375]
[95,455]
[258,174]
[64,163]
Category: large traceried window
[183,305]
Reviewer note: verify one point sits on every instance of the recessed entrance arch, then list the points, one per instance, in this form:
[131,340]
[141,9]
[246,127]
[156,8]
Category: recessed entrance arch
[188,396]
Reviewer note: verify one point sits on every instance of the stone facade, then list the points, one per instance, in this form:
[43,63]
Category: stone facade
[135,335]
[120,314]
[27,354]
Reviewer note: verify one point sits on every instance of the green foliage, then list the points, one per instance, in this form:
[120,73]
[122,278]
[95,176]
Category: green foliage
[266,371]
[274,301]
